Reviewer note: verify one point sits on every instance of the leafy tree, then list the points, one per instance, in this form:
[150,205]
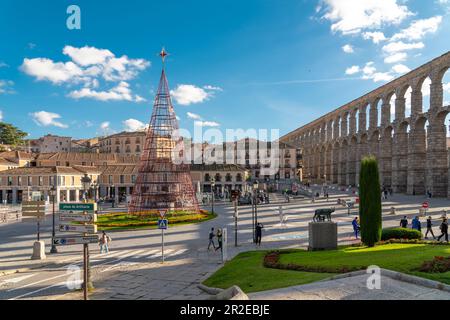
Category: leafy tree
[11,135]
[370,201]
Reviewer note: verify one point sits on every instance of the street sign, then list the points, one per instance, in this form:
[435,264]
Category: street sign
[425,205]
[162,214]
[73,217]
[33,208]
[71,240]
[90,228]
[163,224]
[78,207]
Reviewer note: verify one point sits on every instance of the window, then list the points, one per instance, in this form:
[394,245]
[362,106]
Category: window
[287,175]
[207,177]
[228,177]
[52,181]
[72,181]
[40,181]
[218,177]
[67,164]
[138,148]
[30,181]
[83,163]
[239,177]
[110,179]
[133,178]
[19,181]
[122,178]
[10,181]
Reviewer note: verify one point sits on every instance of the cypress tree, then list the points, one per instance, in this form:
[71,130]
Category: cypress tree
[370,201]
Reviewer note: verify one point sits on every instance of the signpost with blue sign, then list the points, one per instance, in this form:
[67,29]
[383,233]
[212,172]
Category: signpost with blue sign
[163,224]
[84,216]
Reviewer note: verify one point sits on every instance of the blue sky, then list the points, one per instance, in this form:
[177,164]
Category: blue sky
[234,64]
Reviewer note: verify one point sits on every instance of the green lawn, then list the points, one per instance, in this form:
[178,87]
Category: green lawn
[246,270]
[123,221]
[404,258]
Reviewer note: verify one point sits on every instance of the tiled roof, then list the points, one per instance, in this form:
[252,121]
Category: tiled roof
[88,157]
[50,170]
[216,167]
[119,169]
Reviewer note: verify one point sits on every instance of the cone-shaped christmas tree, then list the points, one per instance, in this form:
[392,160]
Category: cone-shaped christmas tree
[163,182]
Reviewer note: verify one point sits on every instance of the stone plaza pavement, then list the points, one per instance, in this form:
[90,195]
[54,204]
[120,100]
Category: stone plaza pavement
[354,288]
[133,269]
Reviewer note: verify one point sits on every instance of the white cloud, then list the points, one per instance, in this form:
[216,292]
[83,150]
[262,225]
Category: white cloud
[376,36]
[3,65]
[6,86]
[105,125]
[87,56]
[46,119]
[352,70]
[57,73]
[400,69]
[186,94]
[207,124]
[396,57]
[348,49]
[353,16]
[87,67]
[400,46]
[382,76]
[1,116]
[418,29]
[121,92]
[369,69]
[193,116]
[213,88]
[370,73]
[133,125]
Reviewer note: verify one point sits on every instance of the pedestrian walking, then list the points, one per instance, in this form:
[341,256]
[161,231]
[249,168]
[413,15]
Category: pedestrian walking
[444,230]
[429,228]
[219,239]
[415,224]
[356,227]
[259,228]
[404,222]
[211,239]
[104,242]
[327,196]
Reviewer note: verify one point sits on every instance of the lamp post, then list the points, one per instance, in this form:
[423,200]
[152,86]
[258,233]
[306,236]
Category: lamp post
[86,183]
[53,194]
[114,197]
[213,184]
[255,201]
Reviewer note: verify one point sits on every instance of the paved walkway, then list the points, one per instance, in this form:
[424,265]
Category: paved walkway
[133,270]
[353,288]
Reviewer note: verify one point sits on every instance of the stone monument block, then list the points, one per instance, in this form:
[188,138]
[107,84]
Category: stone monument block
[322,236]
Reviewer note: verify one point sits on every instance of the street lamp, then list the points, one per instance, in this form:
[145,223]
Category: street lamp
[114,197]
[86,182]
[53,194]
[255,201]
[213,184]
[95,185]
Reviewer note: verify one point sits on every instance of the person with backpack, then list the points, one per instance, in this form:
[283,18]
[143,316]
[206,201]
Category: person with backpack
[429,228]
[444,230]
[415,224]
[104,242]
[211,239]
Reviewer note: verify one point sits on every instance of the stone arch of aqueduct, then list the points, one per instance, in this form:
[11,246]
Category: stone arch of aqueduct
[412,151]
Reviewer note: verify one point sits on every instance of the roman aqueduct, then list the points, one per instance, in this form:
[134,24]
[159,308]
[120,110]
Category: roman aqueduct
[411,150]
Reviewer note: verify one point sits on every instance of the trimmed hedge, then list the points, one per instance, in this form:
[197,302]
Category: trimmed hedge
[400,233]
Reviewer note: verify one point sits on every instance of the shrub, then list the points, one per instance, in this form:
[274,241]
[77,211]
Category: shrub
[370,201]
[400,233]
[437,265]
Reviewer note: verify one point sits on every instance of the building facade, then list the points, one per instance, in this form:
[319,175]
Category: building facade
[124,143]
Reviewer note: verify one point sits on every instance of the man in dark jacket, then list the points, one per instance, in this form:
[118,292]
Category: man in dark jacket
[404,222]
[429,228]
[211,239]
[259,228]
[444,230]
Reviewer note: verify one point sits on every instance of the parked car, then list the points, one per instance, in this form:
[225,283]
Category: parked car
[244,200]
